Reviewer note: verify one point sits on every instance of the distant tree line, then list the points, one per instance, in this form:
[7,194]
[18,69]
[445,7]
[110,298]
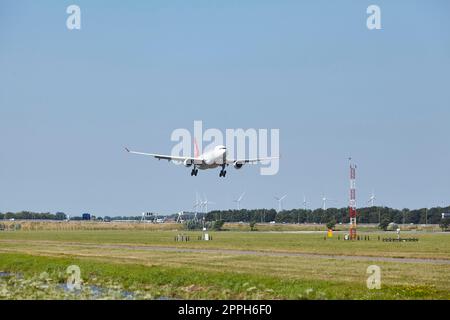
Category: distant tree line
[339,215]
[28,215]
[108,218]
[125,218]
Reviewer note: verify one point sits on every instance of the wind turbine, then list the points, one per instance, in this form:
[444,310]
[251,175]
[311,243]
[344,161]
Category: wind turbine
[324,202]
[280,202]
[206,202]
[372,199]
[238,201]
[197,204]
[180,215]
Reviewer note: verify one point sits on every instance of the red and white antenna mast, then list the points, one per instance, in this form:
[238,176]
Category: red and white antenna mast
[352,202]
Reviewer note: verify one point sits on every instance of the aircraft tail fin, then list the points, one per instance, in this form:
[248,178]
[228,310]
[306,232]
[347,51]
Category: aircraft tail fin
[196,152]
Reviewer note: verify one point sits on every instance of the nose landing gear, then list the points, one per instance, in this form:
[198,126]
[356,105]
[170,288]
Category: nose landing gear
[194,172]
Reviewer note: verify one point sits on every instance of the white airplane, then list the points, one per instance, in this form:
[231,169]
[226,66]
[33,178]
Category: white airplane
[212,159]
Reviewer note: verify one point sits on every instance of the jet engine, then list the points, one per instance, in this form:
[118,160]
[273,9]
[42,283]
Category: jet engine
[187,163]
[238,165]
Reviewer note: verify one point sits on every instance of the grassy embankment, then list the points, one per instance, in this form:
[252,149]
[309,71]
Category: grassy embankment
[225,275]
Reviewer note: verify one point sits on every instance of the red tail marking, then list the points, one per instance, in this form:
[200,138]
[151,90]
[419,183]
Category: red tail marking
[196,153]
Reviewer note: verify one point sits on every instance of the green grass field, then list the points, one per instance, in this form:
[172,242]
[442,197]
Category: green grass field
[234,265]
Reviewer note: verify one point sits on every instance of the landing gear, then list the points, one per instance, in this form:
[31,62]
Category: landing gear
[223,172]
[194,172]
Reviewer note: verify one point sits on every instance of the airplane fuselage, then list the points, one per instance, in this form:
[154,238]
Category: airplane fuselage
[213,158]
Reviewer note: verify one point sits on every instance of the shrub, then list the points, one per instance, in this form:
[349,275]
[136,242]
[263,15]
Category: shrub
[445,223]
[384,223]
[331,224]
[218,224]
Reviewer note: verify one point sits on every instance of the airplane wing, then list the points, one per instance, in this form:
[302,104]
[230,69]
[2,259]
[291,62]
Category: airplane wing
[167,157]
[256,160]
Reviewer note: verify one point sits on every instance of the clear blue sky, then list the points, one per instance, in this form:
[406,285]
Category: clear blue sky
[70,101]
